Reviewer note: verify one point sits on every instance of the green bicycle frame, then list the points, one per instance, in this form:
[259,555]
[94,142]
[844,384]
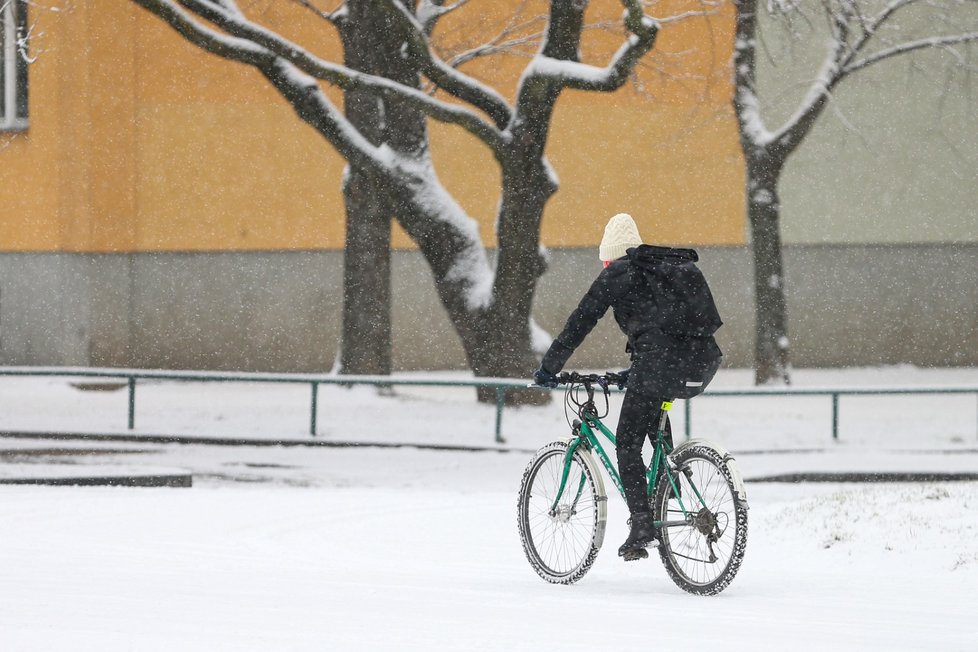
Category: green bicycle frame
[586,436]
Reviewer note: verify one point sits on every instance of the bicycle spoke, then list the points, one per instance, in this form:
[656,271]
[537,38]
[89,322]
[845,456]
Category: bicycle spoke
[704,554]
[558,533]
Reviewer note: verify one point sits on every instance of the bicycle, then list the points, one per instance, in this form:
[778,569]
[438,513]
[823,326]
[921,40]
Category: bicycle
[563,507]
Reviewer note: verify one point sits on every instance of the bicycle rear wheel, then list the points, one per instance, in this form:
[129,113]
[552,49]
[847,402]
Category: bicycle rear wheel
[702,555]
[561,542]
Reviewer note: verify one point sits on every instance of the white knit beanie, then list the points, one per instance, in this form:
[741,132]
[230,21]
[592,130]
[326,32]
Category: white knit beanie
[620,234]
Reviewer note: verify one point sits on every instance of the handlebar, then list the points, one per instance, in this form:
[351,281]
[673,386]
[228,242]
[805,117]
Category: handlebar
[579,398]
[602,380]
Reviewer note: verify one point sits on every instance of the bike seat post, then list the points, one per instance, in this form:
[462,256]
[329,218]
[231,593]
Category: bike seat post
[663,417]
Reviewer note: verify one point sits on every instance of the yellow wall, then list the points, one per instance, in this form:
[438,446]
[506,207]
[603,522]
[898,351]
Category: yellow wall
[139,141]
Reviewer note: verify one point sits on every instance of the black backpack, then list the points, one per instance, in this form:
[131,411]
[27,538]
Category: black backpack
[686,317]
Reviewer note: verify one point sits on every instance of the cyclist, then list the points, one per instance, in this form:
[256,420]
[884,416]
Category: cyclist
[662,303]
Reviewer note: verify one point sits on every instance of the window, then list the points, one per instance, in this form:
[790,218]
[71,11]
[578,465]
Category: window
[13,65]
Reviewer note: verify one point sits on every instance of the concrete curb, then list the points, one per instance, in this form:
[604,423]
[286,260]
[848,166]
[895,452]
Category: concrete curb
[239,441]
[868,476]
[97,478]
[182,480]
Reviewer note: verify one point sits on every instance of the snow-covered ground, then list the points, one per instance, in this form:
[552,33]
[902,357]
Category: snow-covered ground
[879,567]
[296,548]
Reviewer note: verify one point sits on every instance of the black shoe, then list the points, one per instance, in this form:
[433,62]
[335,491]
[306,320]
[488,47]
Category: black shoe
[642,534]
[638,553]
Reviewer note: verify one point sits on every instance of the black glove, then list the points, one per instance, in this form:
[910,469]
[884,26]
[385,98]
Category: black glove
[623,377]
[544,378]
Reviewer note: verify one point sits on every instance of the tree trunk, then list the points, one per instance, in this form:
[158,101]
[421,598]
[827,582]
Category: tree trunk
[494,334]
[366,336]
[771,359]
[506,348]
[365,347]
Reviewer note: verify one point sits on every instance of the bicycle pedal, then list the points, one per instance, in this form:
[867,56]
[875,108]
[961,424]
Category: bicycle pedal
[632,555]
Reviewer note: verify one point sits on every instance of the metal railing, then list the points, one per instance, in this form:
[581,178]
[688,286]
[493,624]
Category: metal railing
[500,385]
[834,393]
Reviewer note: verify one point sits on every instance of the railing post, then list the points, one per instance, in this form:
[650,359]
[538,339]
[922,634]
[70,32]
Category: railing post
[689,419]
[314,408]
[500,400]
[835,416]
[132,402]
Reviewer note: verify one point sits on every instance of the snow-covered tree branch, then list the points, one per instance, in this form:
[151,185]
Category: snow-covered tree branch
[910,46]
[441,74]
[252,44]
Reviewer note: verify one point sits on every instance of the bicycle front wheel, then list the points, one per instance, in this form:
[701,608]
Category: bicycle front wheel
[703,547]
[561,537]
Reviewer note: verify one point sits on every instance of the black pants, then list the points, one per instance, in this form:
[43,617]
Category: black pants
[639,420]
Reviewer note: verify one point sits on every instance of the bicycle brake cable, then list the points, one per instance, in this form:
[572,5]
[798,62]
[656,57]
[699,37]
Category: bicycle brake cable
[572,402]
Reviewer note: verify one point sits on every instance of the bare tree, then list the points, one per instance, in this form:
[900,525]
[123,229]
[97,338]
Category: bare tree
[488,303]
[860,34]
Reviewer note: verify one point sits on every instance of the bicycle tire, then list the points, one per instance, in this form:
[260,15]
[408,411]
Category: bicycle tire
[561,546]
[686,550]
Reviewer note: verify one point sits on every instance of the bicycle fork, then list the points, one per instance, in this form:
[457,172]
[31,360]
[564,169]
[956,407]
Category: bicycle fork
[572,508]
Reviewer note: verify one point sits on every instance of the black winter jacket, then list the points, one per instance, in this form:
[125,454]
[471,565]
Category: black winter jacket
[664,306]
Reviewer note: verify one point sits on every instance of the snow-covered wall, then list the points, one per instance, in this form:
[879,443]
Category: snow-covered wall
[848,305]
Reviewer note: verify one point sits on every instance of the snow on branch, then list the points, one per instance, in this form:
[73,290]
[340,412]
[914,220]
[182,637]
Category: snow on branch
[749,116]
[797,126]
[429,11]
[581,76]
[516,35]
[746,103]
[272,44]
[452,81]
[229,47]
[495,47]
[910,46]
[519,38]
[712,8]
[315,108]
[851,32]
[872,28]
[885,15]
[841,60]
[300,89]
